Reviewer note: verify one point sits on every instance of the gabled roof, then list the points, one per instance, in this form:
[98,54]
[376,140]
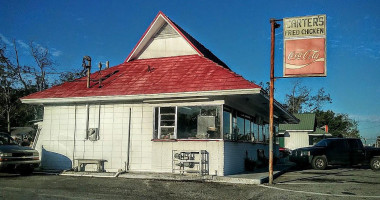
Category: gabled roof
[307,123]
[177,74]
[160,20]
[198,72]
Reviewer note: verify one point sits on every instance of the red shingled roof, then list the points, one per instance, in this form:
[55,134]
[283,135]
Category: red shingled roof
[153,76]
[191,73]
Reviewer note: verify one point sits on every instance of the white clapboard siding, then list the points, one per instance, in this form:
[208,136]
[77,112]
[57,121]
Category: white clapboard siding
[296,140]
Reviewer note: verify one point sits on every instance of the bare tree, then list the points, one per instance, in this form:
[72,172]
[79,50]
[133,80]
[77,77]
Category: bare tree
[18,70]
[299,95]
[69,76]
[18,80]
[265,86]
[300,99]
[44,61]
[317,101]
[7,80]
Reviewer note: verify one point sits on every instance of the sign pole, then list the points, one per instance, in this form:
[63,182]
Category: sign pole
[274,25]
[300,34]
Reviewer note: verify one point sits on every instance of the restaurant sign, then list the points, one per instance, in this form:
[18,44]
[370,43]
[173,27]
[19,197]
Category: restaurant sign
[305,46]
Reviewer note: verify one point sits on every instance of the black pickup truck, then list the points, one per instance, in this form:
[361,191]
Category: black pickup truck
[337,151]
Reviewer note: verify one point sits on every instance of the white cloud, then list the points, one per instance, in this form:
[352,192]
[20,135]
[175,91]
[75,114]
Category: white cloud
[55,52]
[37,45]
[5,40]
[22,44]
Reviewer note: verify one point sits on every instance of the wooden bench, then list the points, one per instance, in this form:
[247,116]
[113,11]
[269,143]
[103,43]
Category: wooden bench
[81,164]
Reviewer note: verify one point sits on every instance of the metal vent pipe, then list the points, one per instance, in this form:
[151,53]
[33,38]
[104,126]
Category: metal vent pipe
[88,67]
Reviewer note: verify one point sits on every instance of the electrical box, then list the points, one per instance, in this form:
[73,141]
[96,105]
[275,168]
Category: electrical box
[93,134]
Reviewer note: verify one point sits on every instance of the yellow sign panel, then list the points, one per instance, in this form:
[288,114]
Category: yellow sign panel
[296,27]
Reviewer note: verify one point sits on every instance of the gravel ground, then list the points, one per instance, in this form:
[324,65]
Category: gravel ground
[305,184]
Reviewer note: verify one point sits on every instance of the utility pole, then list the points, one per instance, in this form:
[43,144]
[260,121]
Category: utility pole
[274,25]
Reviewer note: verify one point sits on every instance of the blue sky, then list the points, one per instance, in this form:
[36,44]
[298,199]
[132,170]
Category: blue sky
[238,32]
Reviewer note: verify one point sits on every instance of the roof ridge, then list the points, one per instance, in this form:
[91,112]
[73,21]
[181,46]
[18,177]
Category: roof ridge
[168,57]
[195,44]
[205,51]
[232,72]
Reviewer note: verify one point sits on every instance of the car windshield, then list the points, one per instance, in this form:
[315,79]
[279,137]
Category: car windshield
[322,143]
[5,139]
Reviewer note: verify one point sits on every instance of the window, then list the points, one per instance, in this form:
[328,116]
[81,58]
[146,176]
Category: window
[247,131]
[261,135]
[323,143]
[256,131]
[204,122]
[5,139]
[266,133]
[337,144]
[187,122]
[314,139]
[198,122]
[235,128]
[167,118]
[253,130]
[240,128]
[227,130]
[355,144]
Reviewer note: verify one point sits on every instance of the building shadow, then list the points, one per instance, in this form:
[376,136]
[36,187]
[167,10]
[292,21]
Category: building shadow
[54,161]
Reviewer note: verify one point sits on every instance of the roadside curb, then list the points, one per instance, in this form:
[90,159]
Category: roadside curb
[249,178]
[253,178]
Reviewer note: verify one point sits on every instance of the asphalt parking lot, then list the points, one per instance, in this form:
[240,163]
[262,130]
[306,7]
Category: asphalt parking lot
[335,183]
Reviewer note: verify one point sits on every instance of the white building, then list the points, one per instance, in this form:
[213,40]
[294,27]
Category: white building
[171,95]
[303,134]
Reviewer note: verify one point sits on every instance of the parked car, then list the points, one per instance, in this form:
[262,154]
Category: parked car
[337,151]
[14,157]
[284,152]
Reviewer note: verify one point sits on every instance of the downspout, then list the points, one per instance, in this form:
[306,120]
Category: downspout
[98,136]
[75,131]
[129,139]
[86,131]
[87,119]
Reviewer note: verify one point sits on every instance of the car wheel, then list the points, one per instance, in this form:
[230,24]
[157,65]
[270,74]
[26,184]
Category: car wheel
[375,164]
[319,162]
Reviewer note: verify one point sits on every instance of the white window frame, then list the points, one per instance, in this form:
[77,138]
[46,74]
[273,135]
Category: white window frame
[220,114]
[159,122]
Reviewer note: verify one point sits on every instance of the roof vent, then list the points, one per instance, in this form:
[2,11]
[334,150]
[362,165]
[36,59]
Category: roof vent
[87,66]
[150,69]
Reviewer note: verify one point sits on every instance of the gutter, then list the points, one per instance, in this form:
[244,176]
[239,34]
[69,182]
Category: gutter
[161,96]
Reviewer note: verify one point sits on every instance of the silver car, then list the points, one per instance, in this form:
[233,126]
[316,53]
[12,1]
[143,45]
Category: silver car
[15,157]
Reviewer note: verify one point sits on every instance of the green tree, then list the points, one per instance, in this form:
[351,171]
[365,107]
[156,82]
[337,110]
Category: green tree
[301,100]
[338,124]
